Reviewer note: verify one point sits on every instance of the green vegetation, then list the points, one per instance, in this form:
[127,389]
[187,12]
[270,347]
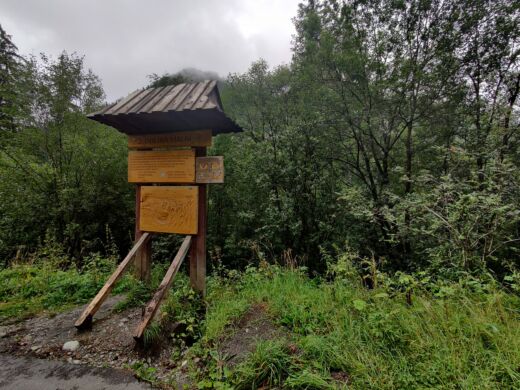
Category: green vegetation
[393,130]
[409,331]
[456,335]
[29,289]
[371,204]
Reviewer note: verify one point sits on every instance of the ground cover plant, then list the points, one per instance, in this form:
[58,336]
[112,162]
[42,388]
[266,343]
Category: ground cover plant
[338,334]
[49,284]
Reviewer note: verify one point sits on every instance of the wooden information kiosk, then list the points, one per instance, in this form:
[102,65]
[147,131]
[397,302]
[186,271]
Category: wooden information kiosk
[168,130]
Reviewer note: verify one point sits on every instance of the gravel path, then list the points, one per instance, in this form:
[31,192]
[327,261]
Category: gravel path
[28,373]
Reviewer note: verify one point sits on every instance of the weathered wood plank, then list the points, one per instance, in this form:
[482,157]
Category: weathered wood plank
[184,138]
[165,166]
[198,247]
[169,209]
[86,317]
[155,302]
[210,169]
[143,257]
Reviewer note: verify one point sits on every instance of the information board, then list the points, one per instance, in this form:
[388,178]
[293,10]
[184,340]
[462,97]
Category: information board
[175,166]
[210,169]
[169,209]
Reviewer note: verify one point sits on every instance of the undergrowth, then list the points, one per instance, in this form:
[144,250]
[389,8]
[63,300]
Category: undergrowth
[340,334]
[30,288]
[407,332]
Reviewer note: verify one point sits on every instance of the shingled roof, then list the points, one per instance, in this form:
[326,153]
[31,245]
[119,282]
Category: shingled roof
[182,107]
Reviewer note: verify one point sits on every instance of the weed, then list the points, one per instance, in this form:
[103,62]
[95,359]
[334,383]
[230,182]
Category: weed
[152,334]
[268,366]
[463,334]
[145,372]
[27,289]
[139,293]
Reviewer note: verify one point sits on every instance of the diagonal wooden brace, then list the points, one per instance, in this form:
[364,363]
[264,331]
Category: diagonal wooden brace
[159,295]
[85,320]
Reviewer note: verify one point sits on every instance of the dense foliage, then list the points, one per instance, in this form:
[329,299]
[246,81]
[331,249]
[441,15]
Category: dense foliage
[384,155]
[394,130]
[392,135]
[59,171]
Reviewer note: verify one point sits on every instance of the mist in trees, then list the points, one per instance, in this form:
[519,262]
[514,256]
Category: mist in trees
[392,136]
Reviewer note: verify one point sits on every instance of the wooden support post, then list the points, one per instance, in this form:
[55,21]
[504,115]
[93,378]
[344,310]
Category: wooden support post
[198,246]
[85,320]
[143,258]
[159,295]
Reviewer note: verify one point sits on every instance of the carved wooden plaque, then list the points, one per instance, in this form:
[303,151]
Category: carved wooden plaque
[168,209]
[151,166]
[185,138]
[210,169]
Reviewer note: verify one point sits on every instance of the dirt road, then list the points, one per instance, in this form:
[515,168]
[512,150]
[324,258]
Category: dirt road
[29,373]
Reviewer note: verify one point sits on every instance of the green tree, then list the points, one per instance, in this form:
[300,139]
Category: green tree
[61,172]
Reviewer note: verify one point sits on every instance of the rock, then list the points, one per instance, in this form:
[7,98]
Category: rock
[35,348]
[76,362]
[71,346]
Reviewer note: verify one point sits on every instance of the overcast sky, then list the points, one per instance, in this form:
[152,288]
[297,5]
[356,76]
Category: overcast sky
[125,40]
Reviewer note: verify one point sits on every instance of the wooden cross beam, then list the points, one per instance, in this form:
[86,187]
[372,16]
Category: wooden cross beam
[85,320]
[159,295]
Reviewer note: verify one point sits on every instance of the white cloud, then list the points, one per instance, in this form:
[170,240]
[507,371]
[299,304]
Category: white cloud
[125,40]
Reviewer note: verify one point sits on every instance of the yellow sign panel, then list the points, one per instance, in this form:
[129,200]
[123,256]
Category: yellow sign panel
[184,138]
[176,166]
[210,169]
[168,209]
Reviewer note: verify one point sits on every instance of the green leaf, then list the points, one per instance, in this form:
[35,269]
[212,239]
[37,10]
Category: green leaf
[359,304]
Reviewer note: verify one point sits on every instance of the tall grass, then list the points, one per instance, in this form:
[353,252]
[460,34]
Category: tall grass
[373,338]
[28,289]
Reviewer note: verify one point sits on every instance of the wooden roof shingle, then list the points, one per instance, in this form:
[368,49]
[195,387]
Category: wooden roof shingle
[182,107]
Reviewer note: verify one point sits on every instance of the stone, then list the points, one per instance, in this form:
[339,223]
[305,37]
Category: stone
[76,362]
[35,348]
[71,346]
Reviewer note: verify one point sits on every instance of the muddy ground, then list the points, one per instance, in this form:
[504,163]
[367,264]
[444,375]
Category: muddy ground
[109,343]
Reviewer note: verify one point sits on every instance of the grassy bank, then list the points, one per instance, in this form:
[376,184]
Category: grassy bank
[329,334]
[29,289]
[468,338]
